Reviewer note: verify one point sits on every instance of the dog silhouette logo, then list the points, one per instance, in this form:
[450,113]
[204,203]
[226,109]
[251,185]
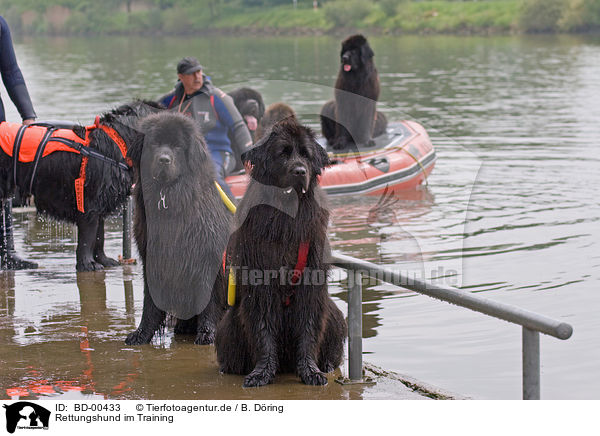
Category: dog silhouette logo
[26,415]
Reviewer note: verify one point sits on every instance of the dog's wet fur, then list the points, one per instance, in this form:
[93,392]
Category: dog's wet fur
[181,229]
[275,326]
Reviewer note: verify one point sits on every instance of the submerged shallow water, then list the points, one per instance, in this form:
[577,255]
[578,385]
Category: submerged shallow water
[510,211]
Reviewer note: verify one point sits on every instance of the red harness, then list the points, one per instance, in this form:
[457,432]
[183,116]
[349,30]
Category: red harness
[298,269]
[303,250]
[35,142]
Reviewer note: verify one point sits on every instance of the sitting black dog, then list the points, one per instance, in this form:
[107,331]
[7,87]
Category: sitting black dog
[351,118]
[181,229]
[283,319]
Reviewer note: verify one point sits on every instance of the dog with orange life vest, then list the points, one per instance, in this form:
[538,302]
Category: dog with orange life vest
[76,174]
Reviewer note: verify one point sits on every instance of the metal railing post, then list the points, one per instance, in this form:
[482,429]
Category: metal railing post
[355,326]
[533,324]
[127,227]
[531,364]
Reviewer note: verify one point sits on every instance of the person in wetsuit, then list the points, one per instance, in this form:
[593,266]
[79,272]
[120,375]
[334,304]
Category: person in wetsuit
[17,91]
[224,130]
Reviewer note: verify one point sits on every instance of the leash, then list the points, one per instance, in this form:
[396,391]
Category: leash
[225,199]
[231,279]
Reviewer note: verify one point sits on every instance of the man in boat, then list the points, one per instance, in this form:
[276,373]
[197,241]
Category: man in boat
[17,91]
[220,122]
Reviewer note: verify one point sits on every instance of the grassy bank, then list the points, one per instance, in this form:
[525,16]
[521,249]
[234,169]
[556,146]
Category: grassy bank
[76,17]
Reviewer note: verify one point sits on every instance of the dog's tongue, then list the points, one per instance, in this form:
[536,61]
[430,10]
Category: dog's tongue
[252,122]
[347,67]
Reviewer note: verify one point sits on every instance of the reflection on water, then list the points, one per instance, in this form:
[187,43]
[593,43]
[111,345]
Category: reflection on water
[511,210]
[62,336]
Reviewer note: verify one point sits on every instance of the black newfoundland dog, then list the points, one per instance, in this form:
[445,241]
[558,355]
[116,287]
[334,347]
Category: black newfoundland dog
[351,118]
[250,104]
[103,182]
[181,229]
[283,319]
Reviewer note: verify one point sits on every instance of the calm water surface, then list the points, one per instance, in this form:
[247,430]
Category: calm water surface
[511,211]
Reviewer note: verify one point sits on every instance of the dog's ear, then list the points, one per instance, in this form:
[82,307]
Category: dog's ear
[196,149]
[257,154]
[136,146]
[366,53]
[134,149]
[321,157]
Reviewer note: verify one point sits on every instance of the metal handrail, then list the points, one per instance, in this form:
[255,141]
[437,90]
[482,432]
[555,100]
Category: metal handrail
[531,322]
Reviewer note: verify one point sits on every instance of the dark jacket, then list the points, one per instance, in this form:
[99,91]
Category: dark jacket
[221,123]
[12,76]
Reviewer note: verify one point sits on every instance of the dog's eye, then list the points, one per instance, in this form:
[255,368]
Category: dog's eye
[287,150]
[304,152]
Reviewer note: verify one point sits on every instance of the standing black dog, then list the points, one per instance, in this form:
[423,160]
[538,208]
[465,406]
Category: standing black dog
[181,229]
[352,117]
[106,179]
[283,319]
[250,104]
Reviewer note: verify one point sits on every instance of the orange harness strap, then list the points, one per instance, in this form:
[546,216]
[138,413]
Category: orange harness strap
[116,138]
[80,182]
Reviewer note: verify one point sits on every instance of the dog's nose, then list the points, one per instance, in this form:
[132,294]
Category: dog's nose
[299,171]
[252,105]
[164,159]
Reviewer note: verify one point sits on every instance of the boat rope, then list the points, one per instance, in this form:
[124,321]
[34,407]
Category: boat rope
[418,162]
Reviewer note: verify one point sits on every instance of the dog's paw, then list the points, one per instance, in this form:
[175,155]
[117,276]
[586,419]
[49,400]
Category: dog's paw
[205,338]
[137,338]
[328,367]
[106,261]
[314,379]
[88,265]
[255,379]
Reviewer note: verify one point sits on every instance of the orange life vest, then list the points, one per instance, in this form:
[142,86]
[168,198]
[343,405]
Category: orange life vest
[32,138]
[58,140]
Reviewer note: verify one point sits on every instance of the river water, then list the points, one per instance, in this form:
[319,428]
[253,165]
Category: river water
[511,211]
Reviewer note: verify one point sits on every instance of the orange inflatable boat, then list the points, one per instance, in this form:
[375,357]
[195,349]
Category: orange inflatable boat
[402,158]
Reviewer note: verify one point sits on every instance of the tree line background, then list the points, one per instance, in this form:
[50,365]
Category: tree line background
[81,17]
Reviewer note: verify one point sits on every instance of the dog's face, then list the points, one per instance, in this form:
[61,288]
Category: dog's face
[250,111]
[288,157]
[172,147]
[356,54]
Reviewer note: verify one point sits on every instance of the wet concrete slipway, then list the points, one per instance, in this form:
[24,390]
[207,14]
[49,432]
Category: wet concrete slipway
[62,337]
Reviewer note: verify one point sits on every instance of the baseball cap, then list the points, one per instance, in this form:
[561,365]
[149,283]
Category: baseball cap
[188,65]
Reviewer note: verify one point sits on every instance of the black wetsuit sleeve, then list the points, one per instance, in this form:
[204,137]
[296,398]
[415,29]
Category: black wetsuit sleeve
[12,76]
